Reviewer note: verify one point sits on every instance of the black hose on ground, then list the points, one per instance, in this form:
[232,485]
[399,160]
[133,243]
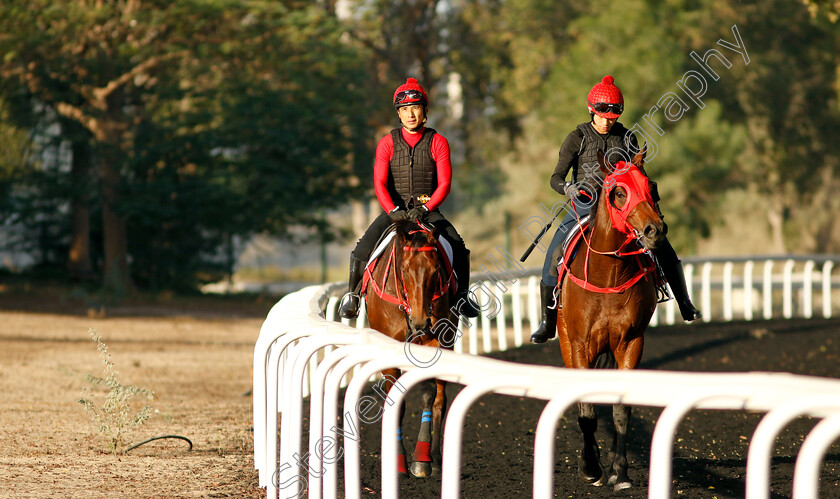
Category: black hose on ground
[161,437]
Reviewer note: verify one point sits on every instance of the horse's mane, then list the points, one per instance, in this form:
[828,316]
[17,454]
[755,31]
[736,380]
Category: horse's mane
[418,238]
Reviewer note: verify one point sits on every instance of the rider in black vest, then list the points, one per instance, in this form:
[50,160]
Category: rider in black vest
[412,175]
[579,153]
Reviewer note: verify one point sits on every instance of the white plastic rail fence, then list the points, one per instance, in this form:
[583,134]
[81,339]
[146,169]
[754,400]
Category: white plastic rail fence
[302,351]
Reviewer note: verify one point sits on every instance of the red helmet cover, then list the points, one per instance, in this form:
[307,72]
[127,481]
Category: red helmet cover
[605,92]
[410,84]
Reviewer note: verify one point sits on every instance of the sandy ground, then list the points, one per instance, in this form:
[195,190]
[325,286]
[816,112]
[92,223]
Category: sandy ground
[200,370]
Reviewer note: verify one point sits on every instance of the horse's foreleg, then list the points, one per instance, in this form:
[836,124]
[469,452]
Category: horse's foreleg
[438,414]
[389,377]
[421,467]
[589,463]
[618,453]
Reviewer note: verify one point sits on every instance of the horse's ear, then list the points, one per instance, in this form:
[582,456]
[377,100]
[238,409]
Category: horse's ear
[602,163]
[639,159]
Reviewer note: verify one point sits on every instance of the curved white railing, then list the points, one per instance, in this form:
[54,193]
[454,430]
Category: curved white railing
[301,352]
[724,289]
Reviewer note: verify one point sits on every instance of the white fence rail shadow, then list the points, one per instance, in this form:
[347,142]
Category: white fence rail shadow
[302,352]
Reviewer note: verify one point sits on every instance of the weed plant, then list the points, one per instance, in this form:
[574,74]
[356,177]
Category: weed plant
[113,416]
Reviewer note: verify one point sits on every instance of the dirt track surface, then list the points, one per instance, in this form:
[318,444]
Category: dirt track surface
[710,448]
[199,364]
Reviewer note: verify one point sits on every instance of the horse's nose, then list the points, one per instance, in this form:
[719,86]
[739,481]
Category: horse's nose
[653,235]
[420,324]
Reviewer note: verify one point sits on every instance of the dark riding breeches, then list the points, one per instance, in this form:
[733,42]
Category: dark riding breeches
[461,265]
[365,245]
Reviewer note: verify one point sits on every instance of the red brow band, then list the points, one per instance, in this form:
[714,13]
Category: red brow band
[421,248]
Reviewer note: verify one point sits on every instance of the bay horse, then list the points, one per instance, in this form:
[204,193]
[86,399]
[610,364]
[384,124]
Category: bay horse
[408,291]
[609,294]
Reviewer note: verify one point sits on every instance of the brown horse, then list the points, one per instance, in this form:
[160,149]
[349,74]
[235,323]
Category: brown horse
[609,295]
[408,292]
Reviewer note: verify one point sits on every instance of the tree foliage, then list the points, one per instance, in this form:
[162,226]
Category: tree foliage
[206,119]
[142,137]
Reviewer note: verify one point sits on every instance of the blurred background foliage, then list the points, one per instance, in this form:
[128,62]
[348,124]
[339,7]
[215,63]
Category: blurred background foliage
[142,138]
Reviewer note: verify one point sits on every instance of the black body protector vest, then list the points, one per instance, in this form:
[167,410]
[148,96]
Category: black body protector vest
[413,176]
[588,154]
[589,147]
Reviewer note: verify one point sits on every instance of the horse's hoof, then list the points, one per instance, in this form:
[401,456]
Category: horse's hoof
[594,479]
[590,474]
[622,486]
[421,469]
[619,485]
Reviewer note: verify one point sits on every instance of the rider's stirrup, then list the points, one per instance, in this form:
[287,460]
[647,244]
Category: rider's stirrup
[348,308]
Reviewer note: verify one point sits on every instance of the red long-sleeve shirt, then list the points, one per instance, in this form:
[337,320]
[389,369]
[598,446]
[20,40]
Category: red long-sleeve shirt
[381,168]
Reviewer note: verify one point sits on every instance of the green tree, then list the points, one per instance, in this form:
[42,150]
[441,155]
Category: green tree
[786,100]
[205,119]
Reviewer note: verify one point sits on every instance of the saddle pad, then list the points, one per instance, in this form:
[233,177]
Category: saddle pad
[574,234]
[386,239]
[381,247]
[570,247]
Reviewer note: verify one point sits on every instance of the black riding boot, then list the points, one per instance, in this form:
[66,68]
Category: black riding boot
[463,303]
[672,268]
[548,326]
[349,308]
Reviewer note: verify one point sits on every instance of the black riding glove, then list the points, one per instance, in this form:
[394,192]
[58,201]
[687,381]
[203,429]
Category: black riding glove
[418,213]
[398,214]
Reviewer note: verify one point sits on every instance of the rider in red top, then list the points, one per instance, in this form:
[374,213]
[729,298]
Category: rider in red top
[412,175]
[382,170]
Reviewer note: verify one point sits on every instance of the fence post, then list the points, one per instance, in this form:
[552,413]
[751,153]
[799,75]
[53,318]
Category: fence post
[748,289]
[807,291]
[533,302]
[474,336]
[727,291]
[501,319]
[332,305]
[516,311]
[459,342]
[767,290]
[706,293]
[826,288]
[486,328]
[670,311]
[787,289]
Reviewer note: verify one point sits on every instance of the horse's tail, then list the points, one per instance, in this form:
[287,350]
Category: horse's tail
[606,361]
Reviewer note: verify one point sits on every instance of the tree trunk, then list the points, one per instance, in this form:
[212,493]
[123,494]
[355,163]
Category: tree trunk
[116,276]
[78,260]
[775,216]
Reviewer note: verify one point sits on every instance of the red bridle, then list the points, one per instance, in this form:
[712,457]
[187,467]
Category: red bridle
[637,189]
